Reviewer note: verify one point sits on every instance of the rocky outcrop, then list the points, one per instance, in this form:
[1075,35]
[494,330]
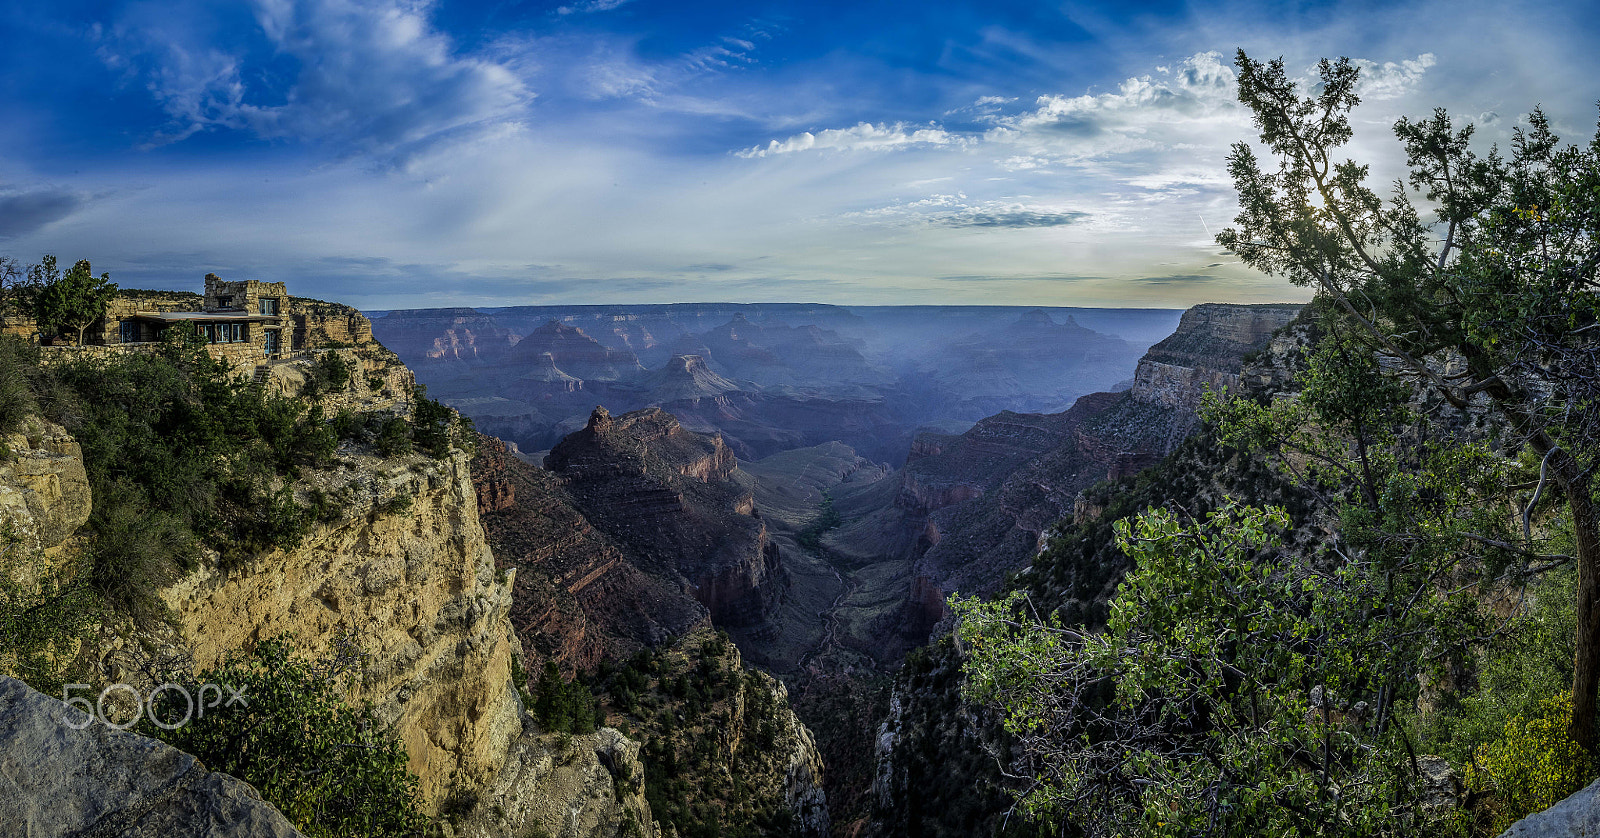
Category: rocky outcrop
[1205,352]
[405,569]
[580,594]
[44,490]
[544,379]
[99,781]
[566,787]
[683,377]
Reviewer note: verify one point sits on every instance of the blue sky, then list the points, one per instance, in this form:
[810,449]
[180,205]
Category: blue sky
[395,154]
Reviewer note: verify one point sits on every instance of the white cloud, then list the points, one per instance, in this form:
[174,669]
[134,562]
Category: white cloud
[372,75]
[1390,80]
[1146,112]
[862,136]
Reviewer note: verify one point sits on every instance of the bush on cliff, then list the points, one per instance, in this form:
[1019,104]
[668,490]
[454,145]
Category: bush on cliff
[332,769]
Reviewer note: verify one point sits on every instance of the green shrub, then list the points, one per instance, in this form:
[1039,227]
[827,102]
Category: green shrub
[16,390]
[1533,765]
[394,438]
[563,706]
[332,769]
[134,554]
[40,614]
[330,373]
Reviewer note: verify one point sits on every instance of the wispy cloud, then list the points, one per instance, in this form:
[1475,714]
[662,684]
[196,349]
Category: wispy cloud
[863,136]
[371,76]
[591,6]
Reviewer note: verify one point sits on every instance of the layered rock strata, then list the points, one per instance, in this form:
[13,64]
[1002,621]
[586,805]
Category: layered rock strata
[667,494]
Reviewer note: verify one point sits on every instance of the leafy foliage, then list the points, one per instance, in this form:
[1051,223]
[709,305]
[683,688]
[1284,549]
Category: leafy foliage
[331,768]
[330,373]
[176,434]
[1235,691]
[563,706]
[1493,303]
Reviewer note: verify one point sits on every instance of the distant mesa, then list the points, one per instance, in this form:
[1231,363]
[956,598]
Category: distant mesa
[685,377]
[1035,317]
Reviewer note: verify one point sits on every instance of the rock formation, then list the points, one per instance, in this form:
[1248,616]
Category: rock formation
[666,493]
[580,595]
[560,785]
[805,374]
[683,377]
[57,780]
[451,335]
[44,491]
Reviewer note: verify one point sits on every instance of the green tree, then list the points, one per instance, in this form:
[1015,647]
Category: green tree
[1492,303]
[1239,689]
[332,769]
[69,301]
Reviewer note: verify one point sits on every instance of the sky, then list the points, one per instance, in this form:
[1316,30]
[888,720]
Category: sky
[408,154]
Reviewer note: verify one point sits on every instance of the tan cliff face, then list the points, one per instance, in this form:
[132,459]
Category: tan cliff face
[415,584]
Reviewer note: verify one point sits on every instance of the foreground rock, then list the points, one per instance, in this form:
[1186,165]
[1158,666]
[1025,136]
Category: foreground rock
[99,781]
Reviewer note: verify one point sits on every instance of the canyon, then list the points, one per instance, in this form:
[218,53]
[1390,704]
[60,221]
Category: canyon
[762,489]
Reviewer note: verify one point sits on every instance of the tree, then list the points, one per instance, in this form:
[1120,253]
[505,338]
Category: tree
[1492,304]
[69,301]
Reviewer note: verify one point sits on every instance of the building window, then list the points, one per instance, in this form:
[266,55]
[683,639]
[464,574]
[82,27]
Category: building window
[269,306]
[130,331]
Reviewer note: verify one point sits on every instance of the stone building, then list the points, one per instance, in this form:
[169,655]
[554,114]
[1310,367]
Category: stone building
[247,322]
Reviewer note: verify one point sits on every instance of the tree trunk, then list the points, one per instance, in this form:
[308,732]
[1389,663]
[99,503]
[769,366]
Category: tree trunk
[1586,659]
